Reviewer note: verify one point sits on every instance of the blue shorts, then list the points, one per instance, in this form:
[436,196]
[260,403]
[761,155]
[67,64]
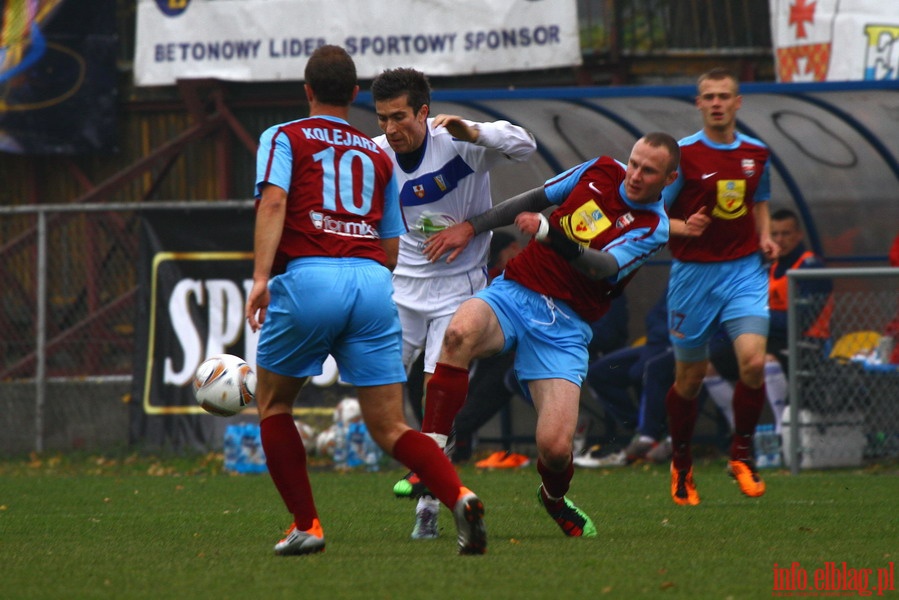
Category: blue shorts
[702,296]
[550,340]
[338,306]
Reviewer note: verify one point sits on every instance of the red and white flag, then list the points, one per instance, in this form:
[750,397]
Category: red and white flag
[836,40]
[802,31]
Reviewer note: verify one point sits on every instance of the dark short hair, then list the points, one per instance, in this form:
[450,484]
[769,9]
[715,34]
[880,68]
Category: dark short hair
[331,74]
[499,242]
[717,74]
[785,214]
[658,139]
[393,83]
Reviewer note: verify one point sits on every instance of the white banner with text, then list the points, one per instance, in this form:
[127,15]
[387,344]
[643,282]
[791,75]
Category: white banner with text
[270,40]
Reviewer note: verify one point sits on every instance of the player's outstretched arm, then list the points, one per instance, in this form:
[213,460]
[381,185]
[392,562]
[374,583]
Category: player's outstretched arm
[595,264]
[454,239]
[458,127]
[511,141]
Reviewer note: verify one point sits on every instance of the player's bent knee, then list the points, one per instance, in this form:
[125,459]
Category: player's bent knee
[457,342]
[752,372]
[386,435]
[554,454]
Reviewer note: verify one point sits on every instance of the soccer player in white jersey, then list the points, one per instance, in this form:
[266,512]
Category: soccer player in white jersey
[443,166]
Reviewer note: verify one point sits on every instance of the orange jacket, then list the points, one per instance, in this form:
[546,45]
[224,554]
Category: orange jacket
[777,298]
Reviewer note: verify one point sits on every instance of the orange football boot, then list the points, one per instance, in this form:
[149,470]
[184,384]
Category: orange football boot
[683,488]
[747,477]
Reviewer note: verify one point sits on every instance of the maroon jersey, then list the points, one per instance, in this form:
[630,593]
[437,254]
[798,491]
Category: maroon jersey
[341,192]
[728,180]
[593,212]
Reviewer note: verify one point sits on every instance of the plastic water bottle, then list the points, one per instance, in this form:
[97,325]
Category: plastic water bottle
[356,433]
[233,434]
[372,452]
[767,447]
[341,449]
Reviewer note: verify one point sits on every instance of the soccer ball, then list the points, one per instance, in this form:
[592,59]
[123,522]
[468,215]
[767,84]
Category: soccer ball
[224,384]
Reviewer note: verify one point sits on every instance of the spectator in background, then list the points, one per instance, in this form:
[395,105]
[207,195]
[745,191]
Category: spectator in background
[814,316]
[792,254]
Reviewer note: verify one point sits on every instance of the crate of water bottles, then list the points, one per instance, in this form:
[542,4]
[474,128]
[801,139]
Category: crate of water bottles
[767,447]
[243,449]
[348,441]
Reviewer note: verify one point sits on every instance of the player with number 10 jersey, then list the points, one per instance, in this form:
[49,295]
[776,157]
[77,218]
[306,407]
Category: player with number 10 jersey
[341,202]
[345,198]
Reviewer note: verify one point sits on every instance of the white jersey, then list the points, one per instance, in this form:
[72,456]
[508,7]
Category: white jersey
[450,184]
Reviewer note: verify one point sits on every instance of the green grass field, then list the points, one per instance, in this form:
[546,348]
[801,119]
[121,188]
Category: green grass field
[94,527]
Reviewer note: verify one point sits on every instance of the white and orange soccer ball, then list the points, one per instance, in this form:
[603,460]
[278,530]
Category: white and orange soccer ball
[224,384]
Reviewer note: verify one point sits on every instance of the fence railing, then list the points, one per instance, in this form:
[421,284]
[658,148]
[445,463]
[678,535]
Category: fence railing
[68,299]
[674,27]
[844,390]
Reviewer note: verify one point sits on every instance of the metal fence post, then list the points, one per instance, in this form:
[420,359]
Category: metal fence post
[40,376]
[793,379]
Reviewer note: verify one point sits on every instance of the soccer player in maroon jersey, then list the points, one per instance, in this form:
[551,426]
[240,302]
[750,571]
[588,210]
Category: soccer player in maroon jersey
[607,221]
[720,239]
[328,222]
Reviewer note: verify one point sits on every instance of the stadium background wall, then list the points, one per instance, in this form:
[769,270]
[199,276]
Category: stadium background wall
[836,149]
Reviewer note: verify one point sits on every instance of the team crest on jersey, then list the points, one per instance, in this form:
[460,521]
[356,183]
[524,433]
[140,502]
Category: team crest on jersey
[438,179]
[585,223]
[748,167]
[731,200]
[624,220]
[419,190]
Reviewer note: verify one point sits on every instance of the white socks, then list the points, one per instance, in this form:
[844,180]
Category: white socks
[776,390]
[439,438]
[722,393]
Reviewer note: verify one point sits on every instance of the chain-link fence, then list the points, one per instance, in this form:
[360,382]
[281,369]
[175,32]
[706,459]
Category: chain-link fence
[67,292]
[68,302]
[845,387]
